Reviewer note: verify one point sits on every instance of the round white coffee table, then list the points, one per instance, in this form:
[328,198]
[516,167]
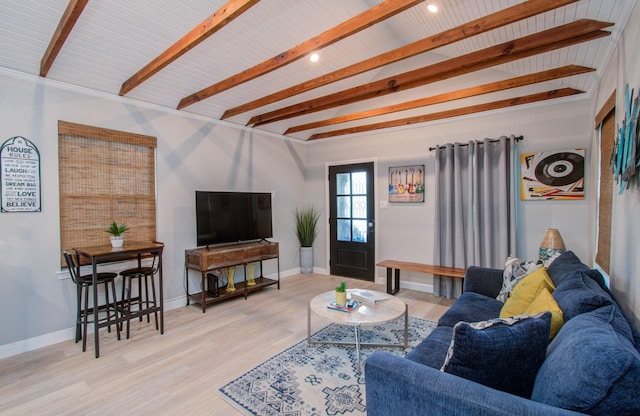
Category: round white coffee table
[386,310]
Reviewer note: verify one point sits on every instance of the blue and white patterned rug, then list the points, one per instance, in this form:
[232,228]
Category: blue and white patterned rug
[314,380]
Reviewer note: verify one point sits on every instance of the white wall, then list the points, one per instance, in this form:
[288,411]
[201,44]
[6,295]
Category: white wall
[624,68]
[193,153]
[404,231]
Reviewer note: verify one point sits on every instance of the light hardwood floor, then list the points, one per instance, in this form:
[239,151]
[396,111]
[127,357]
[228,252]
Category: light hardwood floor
[178,372]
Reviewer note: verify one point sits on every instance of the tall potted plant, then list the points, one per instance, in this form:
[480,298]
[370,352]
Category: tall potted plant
[306,231]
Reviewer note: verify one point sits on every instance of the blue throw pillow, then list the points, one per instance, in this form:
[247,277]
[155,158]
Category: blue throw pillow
[563,266]
[591,368]
[504,354]
[579,293]
[471,306]
[432,350]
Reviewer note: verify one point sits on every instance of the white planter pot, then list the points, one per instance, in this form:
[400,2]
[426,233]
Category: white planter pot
[306,260]
[117,241]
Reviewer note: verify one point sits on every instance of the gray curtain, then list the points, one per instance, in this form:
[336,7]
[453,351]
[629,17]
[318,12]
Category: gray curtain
[475,207]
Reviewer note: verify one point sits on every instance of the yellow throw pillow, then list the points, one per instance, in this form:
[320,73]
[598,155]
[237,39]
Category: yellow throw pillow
[525,292]
[545,302]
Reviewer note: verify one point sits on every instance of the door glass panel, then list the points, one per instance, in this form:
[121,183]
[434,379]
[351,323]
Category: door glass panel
[360,231]
[344,230]
[351,206]
[359,183]
[359,207]
[344,206]
[343,183]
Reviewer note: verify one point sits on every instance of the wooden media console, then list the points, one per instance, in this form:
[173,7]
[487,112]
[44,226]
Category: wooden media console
[206,260]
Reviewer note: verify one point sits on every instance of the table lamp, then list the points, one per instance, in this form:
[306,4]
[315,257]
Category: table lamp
[551,245]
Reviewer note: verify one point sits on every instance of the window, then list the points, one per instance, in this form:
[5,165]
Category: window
[105,175]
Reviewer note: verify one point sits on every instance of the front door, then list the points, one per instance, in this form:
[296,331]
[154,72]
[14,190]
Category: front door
[351,221]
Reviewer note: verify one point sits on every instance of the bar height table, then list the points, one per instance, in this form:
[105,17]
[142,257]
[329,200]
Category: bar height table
[105,253]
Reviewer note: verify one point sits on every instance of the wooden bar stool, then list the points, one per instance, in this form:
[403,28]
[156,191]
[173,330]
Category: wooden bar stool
[146,302]
[83,285]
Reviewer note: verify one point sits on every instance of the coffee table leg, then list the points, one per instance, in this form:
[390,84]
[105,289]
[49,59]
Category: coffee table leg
[357,327]
[309,323]
[406,326]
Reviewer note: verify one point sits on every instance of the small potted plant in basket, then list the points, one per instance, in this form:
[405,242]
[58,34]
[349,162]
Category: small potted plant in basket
[341,294]
[116,230]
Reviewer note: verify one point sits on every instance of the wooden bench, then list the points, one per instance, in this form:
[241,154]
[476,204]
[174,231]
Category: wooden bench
[415,267]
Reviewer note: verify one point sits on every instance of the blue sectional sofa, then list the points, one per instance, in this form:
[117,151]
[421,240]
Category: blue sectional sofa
[591,366]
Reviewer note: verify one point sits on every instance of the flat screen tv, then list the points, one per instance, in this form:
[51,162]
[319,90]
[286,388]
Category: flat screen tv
[231,217]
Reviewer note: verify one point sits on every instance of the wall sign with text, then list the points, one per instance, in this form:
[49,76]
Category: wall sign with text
[20,179]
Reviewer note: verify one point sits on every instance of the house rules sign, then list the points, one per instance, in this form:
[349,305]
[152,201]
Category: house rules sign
[20,180]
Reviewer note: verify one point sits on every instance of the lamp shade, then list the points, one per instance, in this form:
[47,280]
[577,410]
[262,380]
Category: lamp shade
[552,244]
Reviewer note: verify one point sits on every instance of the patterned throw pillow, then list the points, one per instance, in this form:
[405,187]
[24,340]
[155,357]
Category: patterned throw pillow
[515,270]
[552,258]
[504,354]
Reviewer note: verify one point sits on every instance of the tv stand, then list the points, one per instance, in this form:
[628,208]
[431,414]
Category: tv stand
[210,258]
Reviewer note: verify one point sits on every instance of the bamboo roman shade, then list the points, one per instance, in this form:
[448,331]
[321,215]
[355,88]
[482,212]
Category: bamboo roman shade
[105,175]
[605,121]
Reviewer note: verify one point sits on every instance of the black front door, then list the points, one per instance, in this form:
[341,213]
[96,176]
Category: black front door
[351,221]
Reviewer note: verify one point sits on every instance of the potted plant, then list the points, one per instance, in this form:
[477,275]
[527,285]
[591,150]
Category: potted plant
[341,294]
[306,231]
[116,230]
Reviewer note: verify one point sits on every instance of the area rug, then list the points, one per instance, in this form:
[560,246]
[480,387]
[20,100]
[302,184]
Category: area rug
[308,380]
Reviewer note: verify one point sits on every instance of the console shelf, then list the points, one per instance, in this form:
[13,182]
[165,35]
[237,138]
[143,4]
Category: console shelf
[208,259]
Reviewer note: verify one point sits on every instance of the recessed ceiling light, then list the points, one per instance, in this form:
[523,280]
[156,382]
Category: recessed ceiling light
[432,8]
[314,57]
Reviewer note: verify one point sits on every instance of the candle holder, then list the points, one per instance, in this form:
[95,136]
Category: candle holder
[230,286]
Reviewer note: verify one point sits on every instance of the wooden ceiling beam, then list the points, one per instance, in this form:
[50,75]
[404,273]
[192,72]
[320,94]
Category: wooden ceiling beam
[67,21]
[510,102]
[224,15]
[501,18]
[376,14]
[551,39]
[543,76]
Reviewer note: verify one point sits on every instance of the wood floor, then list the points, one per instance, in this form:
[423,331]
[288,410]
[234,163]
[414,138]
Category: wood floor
[178,372]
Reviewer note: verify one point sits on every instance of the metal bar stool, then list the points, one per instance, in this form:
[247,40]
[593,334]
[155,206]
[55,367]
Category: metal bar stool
[146,304]
[83,284]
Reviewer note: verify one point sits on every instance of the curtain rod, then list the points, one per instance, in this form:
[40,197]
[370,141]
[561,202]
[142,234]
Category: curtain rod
[517,139]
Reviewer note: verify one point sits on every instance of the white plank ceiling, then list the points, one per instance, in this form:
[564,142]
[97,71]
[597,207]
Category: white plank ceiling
[114,39]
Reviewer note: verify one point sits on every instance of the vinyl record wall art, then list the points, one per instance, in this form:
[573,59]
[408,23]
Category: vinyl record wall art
[552,175]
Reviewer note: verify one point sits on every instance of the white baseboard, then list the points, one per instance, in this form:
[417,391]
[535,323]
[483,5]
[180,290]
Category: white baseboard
[419,287]
[68,334]
[382,280]
[34,343]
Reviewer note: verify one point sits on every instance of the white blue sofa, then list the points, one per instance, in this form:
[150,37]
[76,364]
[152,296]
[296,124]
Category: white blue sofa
[592,366]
